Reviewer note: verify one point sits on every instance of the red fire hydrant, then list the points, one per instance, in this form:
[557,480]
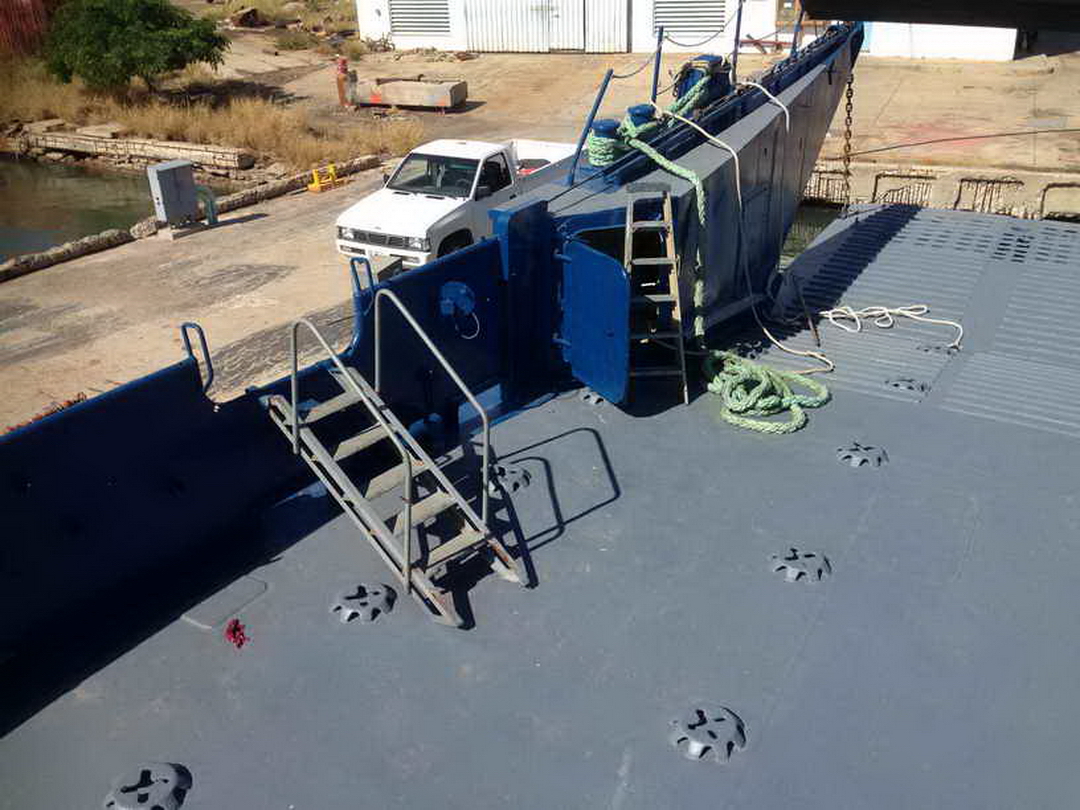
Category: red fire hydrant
[342,74]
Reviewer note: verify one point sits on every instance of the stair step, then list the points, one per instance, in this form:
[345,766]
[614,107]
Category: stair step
[389,479]
[424,510]
[361,441]
[646,299]
[652,260]
[358,378]
[331,406]
[648,225]
[657,371]
[467,539]
[659,333]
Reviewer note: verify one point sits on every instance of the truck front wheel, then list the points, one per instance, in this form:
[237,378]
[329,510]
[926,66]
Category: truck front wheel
[455,241]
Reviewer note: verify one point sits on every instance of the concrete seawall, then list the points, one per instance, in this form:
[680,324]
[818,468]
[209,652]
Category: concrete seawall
[225,157]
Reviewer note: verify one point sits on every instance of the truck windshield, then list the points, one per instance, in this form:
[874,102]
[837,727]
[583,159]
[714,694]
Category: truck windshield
[435,174]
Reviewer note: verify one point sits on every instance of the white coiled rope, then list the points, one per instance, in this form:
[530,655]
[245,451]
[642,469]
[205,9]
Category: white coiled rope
[851,320]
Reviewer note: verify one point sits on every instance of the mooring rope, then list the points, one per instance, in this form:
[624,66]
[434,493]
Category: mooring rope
[749,391]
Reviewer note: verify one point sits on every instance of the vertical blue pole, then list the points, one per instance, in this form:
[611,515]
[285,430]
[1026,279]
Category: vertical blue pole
[656,64]
[738,36]
[588,126]
[797,33]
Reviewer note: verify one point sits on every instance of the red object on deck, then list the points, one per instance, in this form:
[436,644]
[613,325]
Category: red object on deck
[234,633]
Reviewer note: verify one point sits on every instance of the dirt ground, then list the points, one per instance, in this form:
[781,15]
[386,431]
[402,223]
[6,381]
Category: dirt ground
[896,101]
[97,322]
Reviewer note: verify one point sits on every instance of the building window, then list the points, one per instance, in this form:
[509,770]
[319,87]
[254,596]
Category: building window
[420,17]
[689,16]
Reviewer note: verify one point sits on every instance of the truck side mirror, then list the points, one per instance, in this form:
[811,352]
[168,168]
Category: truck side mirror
[385,178]
[483,191]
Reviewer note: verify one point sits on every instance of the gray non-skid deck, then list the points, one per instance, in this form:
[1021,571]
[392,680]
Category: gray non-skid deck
[935,667]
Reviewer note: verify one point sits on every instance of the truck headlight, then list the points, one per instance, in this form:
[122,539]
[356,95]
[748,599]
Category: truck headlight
[418,243]
[346,233]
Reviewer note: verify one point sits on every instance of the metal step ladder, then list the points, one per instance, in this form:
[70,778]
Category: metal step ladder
[398,538]
[655,308]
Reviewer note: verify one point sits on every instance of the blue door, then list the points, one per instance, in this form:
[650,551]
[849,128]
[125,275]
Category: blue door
[596,319]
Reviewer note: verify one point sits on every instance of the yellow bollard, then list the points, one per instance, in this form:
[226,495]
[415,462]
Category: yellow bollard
[323,179]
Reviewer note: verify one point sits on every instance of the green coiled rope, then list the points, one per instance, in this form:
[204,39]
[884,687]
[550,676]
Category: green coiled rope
[749,389]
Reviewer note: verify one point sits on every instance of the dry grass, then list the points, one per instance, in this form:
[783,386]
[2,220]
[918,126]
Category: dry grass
[328,15]
[270,130]
[294,40]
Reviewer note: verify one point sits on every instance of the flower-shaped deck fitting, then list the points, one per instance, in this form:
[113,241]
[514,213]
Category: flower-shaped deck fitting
[862,455]
[801,565]
[714,733]
[151,786]
[364,603]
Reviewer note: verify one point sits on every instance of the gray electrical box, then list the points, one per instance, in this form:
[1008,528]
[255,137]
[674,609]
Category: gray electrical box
[172,185]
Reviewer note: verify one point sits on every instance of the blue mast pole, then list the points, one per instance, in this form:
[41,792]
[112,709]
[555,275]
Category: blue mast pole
[656,65]
[587,127]
[797,33]
[738,36]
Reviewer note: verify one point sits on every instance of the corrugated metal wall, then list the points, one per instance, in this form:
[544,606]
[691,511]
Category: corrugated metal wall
[22,25]
[607,26]
[567,25]
[509,25]
[420,17]
[537,26]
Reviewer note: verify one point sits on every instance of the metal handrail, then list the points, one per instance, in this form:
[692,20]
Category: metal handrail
[205,351]
[384,292]
[406,457]
[353,262]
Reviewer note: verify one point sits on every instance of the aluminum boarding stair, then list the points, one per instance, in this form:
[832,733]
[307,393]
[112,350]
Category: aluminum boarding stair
[655,308]
[400,538]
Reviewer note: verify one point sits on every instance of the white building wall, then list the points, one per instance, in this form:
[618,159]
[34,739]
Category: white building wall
[940,41]
[611,25]
[373,20]
[758,18]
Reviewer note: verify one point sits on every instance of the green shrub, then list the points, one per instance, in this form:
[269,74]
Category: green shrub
[294,40]
[108,42]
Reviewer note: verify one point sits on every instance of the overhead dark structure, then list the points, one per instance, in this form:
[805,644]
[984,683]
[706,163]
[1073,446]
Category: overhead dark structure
[1029,14]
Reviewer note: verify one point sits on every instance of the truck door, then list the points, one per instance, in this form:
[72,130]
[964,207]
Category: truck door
[596,319]
[498,182]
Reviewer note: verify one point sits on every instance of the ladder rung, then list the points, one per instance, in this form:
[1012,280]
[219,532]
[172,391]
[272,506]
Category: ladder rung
[652,260]
[330,406]
[652,298]
[645,187]
[668,333]
[466,540]
[389,479]
[648,224]
[361,441]
[657,371]
[425,509]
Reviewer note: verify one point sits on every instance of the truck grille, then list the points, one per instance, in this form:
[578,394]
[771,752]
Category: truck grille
[380,239]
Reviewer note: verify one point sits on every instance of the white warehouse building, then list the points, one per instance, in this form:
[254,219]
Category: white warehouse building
[539,26]
[620,26]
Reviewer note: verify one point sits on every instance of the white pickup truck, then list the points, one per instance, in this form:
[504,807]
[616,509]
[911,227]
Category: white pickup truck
[437,200]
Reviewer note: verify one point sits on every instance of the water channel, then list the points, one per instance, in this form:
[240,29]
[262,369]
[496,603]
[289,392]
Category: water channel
[42,205]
